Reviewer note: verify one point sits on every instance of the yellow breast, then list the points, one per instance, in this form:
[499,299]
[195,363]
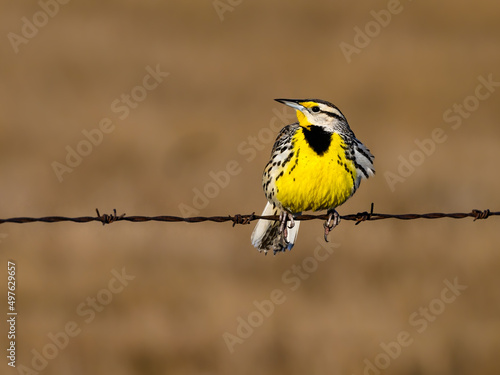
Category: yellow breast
[315,181]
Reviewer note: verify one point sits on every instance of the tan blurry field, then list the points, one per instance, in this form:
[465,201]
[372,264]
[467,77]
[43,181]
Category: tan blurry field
[343,306]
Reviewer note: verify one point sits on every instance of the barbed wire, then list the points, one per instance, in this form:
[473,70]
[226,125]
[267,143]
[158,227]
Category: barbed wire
[247,219]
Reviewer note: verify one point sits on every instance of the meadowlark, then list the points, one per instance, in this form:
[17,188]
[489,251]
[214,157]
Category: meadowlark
[316,164]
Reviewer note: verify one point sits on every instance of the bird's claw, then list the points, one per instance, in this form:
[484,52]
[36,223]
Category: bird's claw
[332,221]
[285,218]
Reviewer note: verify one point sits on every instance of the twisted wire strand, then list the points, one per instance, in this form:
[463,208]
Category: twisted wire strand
[248,218]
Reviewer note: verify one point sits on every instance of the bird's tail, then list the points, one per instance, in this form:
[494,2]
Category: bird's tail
[267,236]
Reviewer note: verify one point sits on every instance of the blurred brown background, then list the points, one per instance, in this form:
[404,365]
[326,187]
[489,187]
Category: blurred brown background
[194,284]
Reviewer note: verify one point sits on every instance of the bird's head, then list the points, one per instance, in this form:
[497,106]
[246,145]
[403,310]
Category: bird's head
[315,112]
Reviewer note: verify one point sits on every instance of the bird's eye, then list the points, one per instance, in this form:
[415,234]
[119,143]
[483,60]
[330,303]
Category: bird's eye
[315,109]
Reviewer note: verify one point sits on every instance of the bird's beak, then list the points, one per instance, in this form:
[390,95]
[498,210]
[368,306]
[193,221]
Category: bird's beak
[292,103]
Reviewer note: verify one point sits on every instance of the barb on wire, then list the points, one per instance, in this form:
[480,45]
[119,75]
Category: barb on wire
[108,219]
[247,219]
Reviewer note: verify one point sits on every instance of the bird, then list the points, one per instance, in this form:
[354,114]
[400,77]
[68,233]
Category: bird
[316,164]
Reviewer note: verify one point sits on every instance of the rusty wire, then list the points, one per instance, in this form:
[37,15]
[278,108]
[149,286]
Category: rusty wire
[246,219]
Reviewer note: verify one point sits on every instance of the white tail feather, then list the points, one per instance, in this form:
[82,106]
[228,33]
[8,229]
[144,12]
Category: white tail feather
[266,235]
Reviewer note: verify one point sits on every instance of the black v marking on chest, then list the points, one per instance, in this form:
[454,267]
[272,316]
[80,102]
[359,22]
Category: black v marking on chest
[317,138]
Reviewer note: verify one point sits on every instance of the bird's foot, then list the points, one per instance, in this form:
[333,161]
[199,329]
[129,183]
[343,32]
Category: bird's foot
[332,221]
[286,222]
